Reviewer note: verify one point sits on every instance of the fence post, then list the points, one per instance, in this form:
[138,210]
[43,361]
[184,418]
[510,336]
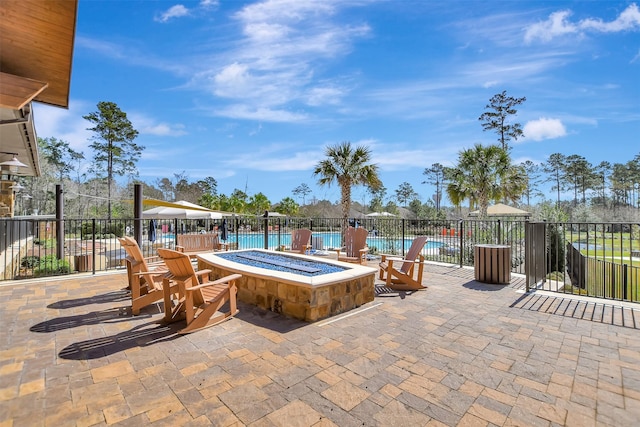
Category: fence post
[266,230]
[236,225]
[175,232]
[59,222]
[624,281]
[461,238]
[403,234]
[93,245]
[137,213]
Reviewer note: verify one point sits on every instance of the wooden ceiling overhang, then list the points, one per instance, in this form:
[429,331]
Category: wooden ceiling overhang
[36,54]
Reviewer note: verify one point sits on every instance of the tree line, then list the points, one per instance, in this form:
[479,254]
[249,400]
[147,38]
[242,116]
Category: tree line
[482,174]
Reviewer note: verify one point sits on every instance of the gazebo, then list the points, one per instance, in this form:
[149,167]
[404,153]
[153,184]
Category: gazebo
[503,210]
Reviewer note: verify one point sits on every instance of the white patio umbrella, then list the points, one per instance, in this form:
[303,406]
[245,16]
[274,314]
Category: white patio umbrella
[380,214]
[181,210]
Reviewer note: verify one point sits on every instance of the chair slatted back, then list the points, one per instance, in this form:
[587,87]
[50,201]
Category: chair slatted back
[300,239]
[413,253]
[135,252]
[355,239]
[181,269]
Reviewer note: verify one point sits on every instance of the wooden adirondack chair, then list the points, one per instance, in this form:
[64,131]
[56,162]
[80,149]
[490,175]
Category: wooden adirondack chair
[300,241]
[403,278]
[355,246]
[202,299]
[145,277]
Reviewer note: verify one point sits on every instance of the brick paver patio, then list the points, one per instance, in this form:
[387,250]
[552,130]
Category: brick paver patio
[458,353]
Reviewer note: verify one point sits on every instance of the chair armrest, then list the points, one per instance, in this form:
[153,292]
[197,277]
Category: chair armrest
[153,273]
[203,272]
[390,258]
[225,279]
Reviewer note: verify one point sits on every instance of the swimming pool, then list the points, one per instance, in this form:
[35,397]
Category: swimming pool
[329,240]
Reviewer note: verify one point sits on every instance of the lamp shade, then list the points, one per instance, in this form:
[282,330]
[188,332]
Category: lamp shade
[13,164]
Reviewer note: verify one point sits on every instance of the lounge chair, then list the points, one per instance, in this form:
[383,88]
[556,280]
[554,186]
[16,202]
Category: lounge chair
[202,299]
[300,241]
[355,246]
[402,278]
[145,277]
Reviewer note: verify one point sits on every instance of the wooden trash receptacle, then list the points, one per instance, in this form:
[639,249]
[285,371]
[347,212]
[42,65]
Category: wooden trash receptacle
[493,263]
[84,262]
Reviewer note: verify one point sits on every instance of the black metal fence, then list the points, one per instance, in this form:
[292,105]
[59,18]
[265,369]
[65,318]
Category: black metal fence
[30,247]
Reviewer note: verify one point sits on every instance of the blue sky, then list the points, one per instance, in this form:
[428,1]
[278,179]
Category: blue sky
[251,93]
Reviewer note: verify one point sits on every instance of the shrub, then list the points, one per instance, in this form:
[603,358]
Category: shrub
[106,231]
[51,266]
[30,261]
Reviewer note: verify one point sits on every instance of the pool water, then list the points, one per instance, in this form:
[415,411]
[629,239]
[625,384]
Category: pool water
[329,240]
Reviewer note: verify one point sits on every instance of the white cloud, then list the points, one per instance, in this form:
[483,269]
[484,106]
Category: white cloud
[324,96]
[544,128]
[490,84]
[239,111]
[283,45]
[179,10]
[176,11]
[628,20]
[558,24]
[275,158]
[148,126]
[209,3]
[64,124]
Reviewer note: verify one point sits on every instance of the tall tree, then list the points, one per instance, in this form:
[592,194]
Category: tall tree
[377,198]
[405,193]
[485,174]
[302,191]
[209,185]
[603,169]
[532,174]
[258,203]
[59,155]
[288,206]
[555,168]
[166,187]
[237,202]
[579,173]
[115,151]
[348,166]
[435,176]
[500,108]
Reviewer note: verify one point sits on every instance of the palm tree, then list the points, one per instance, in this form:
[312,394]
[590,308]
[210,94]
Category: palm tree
[485,174]
[348,166]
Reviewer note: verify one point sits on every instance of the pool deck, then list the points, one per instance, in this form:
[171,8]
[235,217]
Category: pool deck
[458,353]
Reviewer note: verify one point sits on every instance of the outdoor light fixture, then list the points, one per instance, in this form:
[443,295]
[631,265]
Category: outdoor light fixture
[12,164]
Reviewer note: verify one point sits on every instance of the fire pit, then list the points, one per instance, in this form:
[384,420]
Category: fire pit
[298,286]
